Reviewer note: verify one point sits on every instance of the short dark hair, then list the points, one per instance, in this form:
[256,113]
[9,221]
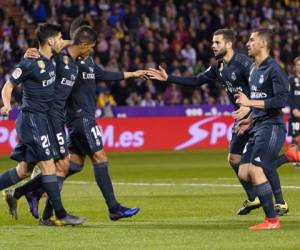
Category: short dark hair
[45,31]
[267,34]
[77,22]
[297,59]
[84,34]
[228,34]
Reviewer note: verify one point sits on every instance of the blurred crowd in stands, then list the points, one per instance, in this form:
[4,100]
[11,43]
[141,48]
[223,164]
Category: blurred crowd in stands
[138,34]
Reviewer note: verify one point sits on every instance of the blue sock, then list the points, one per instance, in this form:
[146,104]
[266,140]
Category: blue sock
[274,181]
[248,187]
[74,168]
[28,186]
[264,193]
[9,178]
[50,185]
[104,183]
[48,211]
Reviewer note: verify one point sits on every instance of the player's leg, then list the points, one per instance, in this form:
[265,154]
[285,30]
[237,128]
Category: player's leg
[292,153]
[62,172]
[269,139]
[66,165]
[50,185]
[278,132]
[14,175]
[21,171]
[264,193]
[281,207]
[237,145]
[100,164]
[62,166]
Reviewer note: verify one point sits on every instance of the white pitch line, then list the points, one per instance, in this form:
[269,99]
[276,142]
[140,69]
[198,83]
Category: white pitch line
[172,184]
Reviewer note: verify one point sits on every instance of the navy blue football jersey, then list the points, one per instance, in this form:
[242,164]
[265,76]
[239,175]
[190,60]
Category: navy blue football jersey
[37,77]
[232,75]
[66,74]
[82,101]
[270,83]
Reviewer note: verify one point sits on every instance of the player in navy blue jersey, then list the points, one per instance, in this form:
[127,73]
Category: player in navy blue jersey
[88,73]
[85,137]
[294,103]
[37,77]
[269,87]
[231,69]
[66,73]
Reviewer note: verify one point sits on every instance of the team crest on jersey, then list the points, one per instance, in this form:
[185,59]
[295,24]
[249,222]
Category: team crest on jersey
[66,61]
[17,73]
[91,69]
[261,79]
[233,76]
[47,151]
[42,66]
[62,150]
[73,77]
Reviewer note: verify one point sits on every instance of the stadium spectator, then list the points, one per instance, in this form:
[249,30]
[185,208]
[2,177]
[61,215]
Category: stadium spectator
[139,34]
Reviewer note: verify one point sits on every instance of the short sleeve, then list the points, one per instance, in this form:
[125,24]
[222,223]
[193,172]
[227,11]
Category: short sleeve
[20,73]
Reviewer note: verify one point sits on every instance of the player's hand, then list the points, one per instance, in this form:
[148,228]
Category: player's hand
[140,74]
[241,113]
[5,110]
[242,99]
[243,126]
[32,53]
[296,112]
[157,74]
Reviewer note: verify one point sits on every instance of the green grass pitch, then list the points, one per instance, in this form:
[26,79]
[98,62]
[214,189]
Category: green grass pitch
[188,200]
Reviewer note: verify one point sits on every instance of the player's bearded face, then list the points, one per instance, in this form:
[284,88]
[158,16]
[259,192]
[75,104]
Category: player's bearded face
[57,43]
[219,47]
[254,45]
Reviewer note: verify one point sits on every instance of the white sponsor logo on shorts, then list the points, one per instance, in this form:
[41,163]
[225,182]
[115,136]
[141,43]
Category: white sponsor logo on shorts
[257,159]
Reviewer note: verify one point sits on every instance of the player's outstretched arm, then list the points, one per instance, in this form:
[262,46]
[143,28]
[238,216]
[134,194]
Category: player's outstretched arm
[206,77]
[158,74]
[136,74]
[6,97]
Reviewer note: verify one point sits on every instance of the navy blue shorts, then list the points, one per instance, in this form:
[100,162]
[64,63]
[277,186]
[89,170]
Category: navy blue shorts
[58,138]
[85,136]
[34,144]
[264,144]
[238,143]
[294,126]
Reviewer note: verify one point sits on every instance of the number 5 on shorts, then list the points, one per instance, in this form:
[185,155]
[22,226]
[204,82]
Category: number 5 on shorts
[60,139]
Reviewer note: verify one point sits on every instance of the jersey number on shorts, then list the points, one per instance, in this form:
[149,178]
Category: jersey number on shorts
[96,132]
[60,139]
[45,141]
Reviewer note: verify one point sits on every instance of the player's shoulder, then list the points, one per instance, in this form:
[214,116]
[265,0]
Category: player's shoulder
[276,68]
[86,62]
[242,59]
[27,62]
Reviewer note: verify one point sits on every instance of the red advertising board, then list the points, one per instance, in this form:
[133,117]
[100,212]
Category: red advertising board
[132,134]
